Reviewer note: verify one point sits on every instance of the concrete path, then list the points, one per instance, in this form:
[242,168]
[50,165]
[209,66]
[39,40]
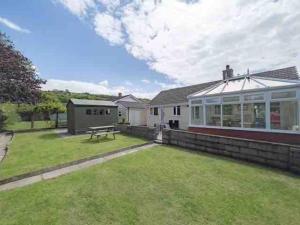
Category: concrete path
[4,141]
[69,169]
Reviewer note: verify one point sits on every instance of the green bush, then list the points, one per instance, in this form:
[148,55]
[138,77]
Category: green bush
[8,115]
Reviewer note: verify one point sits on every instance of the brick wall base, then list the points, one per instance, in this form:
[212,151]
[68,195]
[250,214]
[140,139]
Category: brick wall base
[293,139]
[281,156]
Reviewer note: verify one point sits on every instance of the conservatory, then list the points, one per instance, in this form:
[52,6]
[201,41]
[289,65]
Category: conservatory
[248,103]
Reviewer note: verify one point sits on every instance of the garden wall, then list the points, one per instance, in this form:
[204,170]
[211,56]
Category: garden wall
[281,156]
[139,131]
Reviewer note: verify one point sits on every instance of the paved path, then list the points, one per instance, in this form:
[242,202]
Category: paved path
[4,141]
[69,169]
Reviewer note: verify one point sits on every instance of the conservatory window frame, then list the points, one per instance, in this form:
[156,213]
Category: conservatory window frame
[267,94]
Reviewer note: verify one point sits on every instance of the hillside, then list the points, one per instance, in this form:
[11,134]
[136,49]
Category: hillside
[64,96]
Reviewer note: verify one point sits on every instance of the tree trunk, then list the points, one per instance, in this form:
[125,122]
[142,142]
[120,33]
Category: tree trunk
[32,120]
[56,121]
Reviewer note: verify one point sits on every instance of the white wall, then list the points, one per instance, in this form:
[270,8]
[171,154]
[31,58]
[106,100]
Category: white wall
[137,117]
[183,118]
[124,114]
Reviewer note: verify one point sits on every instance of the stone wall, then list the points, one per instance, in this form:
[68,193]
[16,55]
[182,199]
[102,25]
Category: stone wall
[139,131]
[281,156]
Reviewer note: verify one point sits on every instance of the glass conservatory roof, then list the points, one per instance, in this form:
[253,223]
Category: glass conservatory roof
[244,84]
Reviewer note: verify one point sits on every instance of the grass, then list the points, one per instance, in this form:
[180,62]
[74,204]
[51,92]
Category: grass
[26,125]
[36,150]
[163,186]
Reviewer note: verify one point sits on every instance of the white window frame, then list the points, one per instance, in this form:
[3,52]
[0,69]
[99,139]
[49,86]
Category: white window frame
[267,100]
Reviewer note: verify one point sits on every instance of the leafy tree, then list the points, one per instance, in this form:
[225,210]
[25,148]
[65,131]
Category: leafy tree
[19,82]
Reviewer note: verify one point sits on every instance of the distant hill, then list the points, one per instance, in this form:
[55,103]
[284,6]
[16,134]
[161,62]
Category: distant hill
[64,96]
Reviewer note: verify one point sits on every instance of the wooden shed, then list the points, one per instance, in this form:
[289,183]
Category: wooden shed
[83,113]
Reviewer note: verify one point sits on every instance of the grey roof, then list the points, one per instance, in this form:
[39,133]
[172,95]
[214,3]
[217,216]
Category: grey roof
[179,95]
[137,105]
[289,73]
[87,102]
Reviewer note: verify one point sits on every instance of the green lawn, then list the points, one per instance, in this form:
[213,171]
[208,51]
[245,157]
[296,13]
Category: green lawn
[37,150]
[26,125]
[157,186]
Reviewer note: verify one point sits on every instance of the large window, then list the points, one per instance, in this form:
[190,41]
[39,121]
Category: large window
[213,115]
[232,115]
[254,115]
[197,115]
[284,115]
[155,111]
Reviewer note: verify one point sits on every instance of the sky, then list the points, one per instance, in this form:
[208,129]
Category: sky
[145,46]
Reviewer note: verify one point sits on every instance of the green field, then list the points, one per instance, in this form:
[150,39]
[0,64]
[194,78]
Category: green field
[26,125]
[37,150]
[162,185]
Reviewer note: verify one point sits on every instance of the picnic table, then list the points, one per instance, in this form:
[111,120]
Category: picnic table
[102,131]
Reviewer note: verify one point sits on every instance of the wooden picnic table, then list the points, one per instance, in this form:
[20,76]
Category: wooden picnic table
[102,130]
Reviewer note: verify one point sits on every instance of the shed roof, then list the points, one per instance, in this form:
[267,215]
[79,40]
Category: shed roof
[179,95]
[86,102]
[136,105]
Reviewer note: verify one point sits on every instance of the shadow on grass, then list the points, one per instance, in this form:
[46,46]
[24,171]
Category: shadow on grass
[239,161]
[97,141]
[48,136]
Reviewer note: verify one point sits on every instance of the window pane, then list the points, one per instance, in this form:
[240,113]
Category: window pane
[254,115]
[178,110]
[232,115]
[195,102]
[231,99]
[197,115]
[213,115]
[286,94]
[254,97]
[213,100]
[155,111]
[284,115]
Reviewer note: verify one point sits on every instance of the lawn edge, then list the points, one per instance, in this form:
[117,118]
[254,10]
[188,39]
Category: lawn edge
[71,163]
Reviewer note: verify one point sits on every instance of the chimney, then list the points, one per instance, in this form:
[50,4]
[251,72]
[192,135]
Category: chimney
[228,73]
[120,94]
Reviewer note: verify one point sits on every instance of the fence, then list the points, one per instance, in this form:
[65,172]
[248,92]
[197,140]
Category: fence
[40,121]
[281,156]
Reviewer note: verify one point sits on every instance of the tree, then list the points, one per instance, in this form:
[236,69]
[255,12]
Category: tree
[19,81]
[50,104]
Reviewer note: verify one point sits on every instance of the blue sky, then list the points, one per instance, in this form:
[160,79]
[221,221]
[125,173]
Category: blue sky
[142,47]
[71,50]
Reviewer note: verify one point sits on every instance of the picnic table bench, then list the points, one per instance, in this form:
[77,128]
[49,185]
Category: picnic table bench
[102,131]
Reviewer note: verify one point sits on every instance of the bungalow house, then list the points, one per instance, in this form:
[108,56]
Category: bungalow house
[251,106]
[131,110]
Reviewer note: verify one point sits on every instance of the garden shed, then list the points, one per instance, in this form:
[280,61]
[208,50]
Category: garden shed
[84,113]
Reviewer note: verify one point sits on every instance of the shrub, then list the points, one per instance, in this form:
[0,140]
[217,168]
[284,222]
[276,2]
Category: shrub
[8,115]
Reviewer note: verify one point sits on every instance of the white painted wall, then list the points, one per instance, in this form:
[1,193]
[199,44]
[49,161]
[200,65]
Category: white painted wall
[137,117]
[183,118]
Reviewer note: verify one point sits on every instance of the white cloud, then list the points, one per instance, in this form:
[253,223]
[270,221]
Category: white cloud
[102,87]
[146,81]
[13,26]
[166,86]
[192,41]
[109,28]
[128,83]
[104,83]
[78,7]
